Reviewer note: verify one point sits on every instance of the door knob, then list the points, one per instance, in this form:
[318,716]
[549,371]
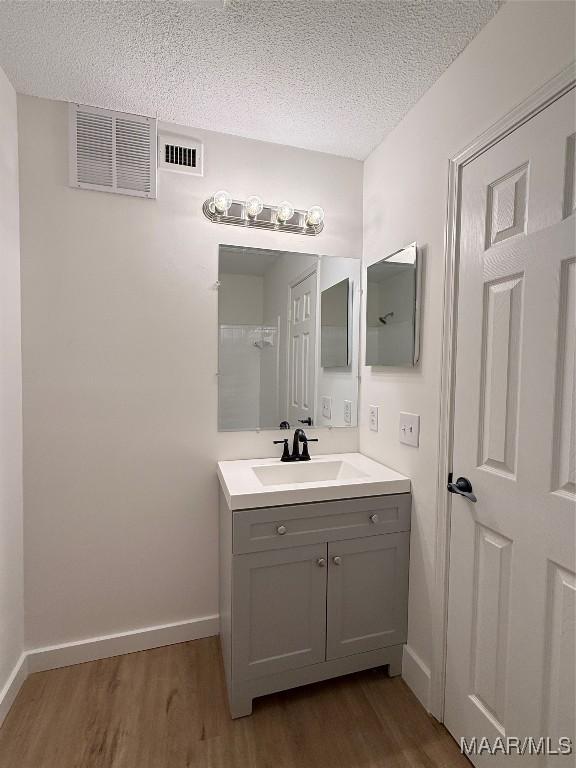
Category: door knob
[281,530]
[337,560]
[462,486]
[374,518]
[321,562]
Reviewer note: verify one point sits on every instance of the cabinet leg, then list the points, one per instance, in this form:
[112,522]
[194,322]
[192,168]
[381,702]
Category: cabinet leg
[240,705]
[394,669]
[395,664]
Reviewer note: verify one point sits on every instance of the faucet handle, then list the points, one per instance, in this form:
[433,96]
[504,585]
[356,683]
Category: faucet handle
[285,452]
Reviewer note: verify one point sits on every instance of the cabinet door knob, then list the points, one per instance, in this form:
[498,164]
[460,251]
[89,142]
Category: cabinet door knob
[337,560]
[281,530]
[374,518]
[321,562]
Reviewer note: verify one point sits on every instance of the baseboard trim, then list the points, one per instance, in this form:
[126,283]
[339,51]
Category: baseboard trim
[417,676]
[13,685]
[144,639]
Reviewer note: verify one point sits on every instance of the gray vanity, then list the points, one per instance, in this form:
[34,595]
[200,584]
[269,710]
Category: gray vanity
[313,572]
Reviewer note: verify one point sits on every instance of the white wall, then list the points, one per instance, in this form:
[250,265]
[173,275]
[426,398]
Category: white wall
[120,356]
[11,552]
[405,193]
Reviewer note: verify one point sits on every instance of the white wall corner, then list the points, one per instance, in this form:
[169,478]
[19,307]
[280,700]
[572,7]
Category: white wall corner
[13,685]
[417,676]
[146,638]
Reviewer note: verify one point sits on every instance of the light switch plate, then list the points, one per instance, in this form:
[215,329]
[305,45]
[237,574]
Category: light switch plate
[373,417]
[326,407]
[410,429]
[347,411]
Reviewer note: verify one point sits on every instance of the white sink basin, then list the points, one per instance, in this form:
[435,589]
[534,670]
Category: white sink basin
[306,472]
[252,483]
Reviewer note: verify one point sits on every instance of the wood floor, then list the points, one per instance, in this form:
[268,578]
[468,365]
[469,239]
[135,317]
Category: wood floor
[166,708]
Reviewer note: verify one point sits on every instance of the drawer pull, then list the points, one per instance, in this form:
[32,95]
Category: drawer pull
[321,562]
[337,560]
[281,530]
[374,518]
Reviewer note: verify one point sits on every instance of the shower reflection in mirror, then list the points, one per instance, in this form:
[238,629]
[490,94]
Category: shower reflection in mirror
[393,309]
[288,327]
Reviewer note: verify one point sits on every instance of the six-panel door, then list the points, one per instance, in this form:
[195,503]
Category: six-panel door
[279,613]
[367,594]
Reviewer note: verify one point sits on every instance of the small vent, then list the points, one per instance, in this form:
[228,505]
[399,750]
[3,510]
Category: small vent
[175,155]
[112,151]
[180,153]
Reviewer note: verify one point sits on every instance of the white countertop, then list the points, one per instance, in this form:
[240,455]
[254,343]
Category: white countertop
[243,489]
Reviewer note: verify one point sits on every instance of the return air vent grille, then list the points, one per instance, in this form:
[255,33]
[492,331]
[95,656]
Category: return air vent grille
[180,153]
[112,151]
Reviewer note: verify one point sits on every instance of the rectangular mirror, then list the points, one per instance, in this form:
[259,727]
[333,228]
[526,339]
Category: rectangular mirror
[288,326]
[393,309]
[335,328]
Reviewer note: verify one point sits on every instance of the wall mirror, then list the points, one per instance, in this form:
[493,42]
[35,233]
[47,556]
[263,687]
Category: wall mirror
[288,326]
[393,309]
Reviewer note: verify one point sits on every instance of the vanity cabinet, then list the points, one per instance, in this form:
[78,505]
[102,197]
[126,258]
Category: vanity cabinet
[311,591]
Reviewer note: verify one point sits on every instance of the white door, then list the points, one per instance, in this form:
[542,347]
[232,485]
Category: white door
[302,351]
[511,642]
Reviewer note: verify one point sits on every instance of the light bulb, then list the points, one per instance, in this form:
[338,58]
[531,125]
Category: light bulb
[222,201]
[285,212]
[254,206]
[314,216]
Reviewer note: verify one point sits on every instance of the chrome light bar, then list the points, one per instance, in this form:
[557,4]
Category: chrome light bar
[229,211]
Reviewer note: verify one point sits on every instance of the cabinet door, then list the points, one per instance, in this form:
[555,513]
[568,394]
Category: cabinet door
[279,617]
[367,594]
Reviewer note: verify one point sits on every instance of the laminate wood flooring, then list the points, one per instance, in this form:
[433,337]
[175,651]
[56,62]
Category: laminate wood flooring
[166,708]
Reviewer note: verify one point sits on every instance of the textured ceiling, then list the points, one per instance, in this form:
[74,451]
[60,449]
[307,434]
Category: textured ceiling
[327,75]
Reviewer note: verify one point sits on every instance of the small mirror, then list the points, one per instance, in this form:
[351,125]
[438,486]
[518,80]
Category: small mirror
[393,309]
[288,339]
[334,340]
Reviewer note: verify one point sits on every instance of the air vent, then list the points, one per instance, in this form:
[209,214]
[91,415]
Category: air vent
[112,151]
[182,156]
[180,153]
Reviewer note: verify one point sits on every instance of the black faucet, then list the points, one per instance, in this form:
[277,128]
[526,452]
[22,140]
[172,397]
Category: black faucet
[299,437]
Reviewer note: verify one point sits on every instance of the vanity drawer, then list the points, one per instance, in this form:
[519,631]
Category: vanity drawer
[255,530]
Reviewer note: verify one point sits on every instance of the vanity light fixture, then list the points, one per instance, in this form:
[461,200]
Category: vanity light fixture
[252,212]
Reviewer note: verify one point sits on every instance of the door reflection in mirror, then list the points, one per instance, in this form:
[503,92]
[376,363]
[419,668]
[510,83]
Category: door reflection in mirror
[287,339]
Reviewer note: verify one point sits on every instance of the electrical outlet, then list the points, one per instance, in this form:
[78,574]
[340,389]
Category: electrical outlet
[326,407]
[410,429]
[373,417]
[347,411]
